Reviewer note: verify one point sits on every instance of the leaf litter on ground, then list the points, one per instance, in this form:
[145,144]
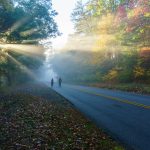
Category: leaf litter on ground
[35,117]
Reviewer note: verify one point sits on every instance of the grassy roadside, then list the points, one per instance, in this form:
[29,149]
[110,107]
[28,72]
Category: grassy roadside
[129,87]
[35,117]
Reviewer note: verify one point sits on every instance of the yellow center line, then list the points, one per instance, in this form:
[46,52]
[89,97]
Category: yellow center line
[116,99]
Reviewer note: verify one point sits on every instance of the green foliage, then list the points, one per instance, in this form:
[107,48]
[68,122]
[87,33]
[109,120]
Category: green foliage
[121,51]
[36,17]
[111,76]
[20,21]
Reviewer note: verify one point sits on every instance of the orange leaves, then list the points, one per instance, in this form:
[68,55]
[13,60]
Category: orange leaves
[111,76]
[129,29]
[145,52]
[141,10]
[139,72]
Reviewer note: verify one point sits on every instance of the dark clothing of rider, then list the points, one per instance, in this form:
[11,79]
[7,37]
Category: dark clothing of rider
[60,81]
[52,82]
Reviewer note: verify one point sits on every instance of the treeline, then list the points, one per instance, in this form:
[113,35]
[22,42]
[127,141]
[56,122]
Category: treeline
[115,35]
[23,23]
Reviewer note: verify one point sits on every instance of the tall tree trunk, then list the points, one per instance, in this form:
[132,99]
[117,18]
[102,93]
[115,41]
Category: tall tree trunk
[9,80]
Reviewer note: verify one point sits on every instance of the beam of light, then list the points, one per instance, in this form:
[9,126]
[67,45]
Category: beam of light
[103,39]
[17,25]
[81,43]
[30,50]
[28,32]
[30,41]
[23,67]
[46,71]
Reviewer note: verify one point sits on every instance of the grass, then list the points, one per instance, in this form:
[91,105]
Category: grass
[35,117]
[130,87]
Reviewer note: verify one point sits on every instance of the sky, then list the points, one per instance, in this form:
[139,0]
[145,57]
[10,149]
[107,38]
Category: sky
[63,19]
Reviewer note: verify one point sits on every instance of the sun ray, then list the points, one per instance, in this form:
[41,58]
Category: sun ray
[29,32]
[17,25]
[27,70]
[24,49]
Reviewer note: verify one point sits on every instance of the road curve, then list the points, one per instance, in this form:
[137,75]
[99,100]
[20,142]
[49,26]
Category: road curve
[126,116]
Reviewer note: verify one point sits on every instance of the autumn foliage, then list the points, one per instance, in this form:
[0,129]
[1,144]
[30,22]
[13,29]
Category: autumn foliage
[119,32]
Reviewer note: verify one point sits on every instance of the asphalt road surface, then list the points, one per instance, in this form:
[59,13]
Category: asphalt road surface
[126,116]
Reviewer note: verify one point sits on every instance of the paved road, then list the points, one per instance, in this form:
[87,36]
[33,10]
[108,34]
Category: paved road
[125,116]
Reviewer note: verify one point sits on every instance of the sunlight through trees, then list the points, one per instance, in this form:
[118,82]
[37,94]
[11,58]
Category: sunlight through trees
[115,34]
[23,23]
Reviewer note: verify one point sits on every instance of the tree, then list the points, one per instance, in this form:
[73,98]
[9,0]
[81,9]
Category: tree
[137,30]
[82,18]
[24,20]
[118,31]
